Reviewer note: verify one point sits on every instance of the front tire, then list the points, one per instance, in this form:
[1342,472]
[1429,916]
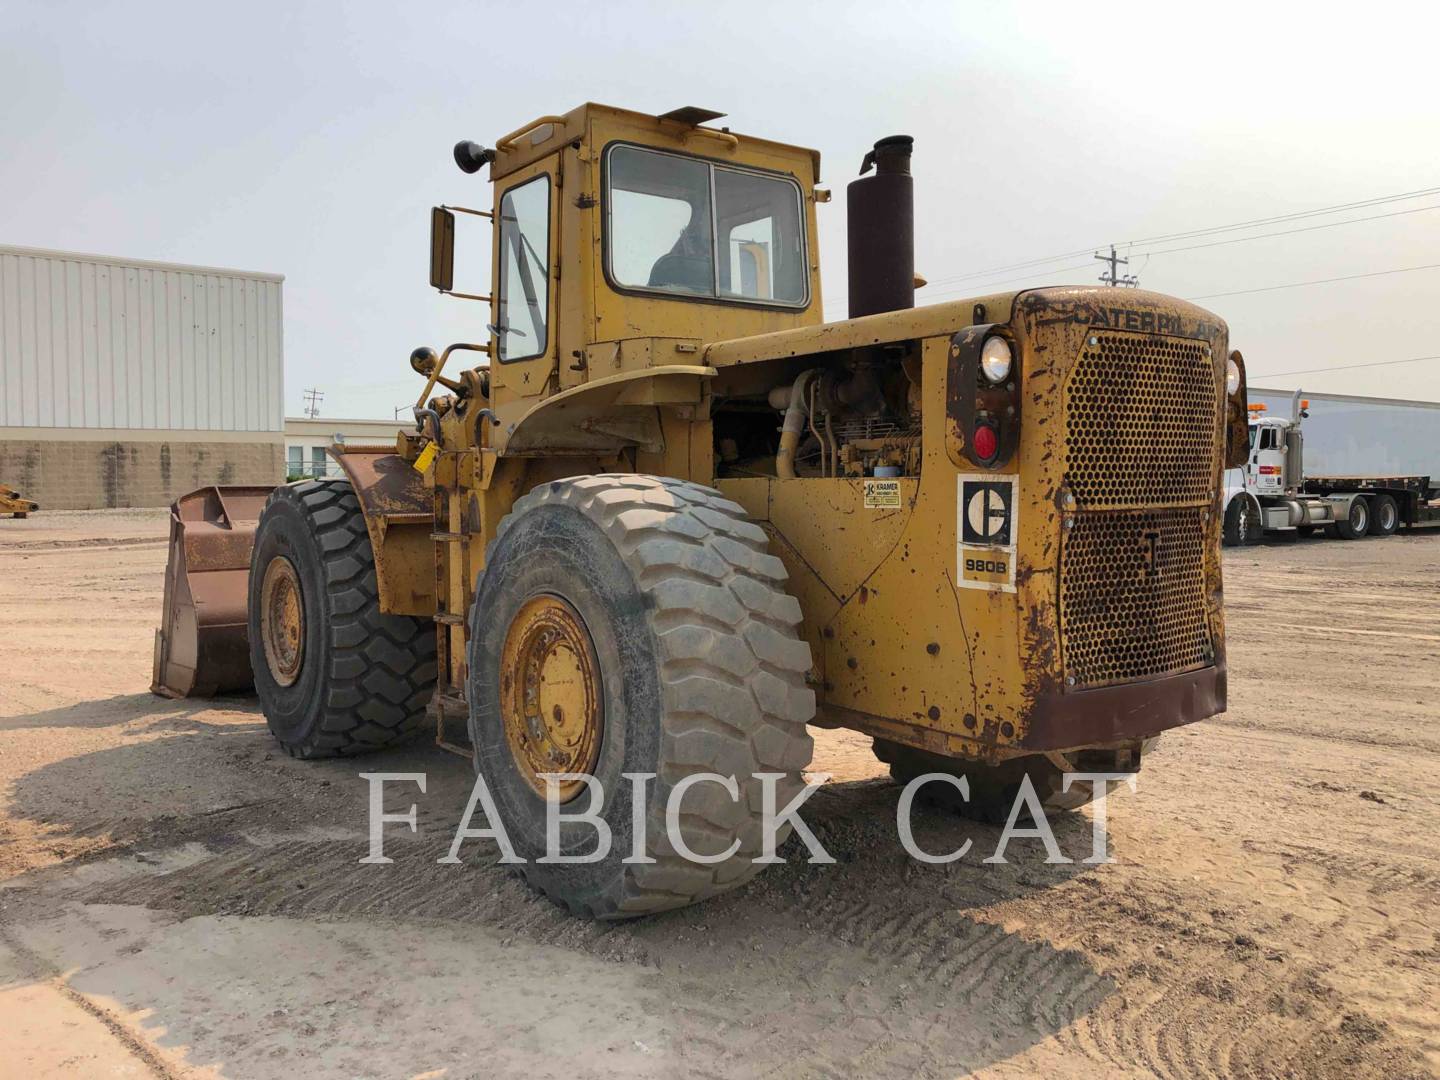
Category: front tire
[1242,524]
[334,674]
[653,608]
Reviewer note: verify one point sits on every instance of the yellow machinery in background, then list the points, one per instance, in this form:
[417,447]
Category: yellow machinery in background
[674,517]
[11,502]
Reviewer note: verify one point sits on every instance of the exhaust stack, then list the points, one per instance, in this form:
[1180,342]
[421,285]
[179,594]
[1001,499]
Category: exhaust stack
[880,217]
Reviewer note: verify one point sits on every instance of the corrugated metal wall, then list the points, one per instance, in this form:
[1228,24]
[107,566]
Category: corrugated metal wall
[88,342]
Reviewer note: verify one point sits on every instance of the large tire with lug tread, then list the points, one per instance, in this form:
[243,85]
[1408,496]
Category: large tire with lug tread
[636,624]
[1355,524]
[334,674]
[993,788]
[1242,524]
[1384,515]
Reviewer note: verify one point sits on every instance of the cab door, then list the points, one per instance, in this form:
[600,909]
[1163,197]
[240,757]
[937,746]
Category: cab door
[526,273]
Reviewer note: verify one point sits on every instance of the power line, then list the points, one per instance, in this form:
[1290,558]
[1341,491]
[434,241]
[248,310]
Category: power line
[1292,232]
[1318,281]
[1210,230]
[1343,367]
[1219,243]
[979,288]
[1297,215]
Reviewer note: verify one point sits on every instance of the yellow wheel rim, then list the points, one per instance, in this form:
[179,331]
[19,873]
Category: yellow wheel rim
[550,694]
[282,620]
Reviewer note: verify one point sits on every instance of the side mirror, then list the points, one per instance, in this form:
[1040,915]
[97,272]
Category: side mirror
[442,249]
[424,360]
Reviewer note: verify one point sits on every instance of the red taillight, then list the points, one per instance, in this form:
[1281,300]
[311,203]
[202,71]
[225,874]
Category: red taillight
[985,443]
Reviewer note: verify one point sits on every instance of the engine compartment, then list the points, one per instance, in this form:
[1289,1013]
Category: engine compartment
[850,414]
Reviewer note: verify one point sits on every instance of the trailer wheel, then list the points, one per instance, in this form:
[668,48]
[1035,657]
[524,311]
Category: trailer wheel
[334,674]
[1356,523]
[1384,515]
[1242,523]
[630,626]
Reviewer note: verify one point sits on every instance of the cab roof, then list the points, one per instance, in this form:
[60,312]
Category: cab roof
[544,135]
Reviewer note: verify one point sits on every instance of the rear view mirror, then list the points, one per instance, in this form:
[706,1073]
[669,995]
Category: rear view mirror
[442,249]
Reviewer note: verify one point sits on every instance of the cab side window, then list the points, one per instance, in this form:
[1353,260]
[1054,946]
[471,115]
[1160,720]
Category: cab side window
[524,294]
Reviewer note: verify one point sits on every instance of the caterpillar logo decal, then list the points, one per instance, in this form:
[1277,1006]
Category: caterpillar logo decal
[986,531]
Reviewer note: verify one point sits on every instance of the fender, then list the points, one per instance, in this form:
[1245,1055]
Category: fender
[399,516]
[605,415]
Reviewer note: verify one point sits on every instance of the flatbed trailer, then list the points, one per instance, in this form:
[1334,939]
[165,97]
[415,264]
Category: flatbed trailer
[1417,498]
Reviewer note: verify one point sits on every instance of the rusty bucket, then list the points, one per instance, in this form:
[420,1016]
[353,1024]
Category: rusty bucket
[201,647]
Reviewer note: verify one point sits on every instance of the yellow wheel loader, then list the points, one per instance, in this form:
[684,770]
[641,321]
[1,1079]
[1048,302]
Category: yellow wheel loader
[673,517]
[15,504]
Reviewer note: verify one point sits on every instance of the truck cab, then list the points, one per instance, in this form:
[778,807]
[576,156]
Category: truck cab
[1268,493]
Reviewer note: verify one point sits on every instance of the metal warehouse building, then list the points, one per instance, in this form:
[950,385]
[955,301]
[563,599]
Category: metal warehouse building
[128,383]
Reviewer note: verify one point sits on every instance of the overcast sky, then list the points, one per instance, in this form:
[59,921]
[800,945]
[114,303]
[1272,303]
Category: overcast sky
[311,140]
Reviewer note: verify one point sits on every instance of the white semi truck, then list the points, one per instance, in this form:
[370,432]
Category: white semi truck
[1271,493]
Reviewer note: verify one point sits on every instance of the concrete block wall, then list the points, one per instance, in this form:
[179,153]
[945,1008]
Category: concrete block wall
[76,474]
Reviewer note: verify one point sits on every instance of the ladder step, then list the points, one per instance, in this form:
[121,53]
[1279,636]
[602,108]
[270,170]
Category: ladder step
[448,619]
[464,538]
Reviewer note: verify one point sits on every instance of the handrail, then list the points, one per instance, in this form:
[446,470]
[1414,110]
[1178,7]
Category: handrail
[440,364]
[724,136]
[507,142]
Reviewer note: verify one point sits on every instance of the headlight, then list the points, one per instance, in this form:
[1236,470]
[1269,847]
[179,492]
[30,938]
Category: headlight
[995,359]
[1232,376]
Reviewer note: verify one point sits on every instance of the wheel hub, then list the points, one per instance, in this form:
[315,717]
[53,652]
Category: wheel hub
[550,694]
[282,620]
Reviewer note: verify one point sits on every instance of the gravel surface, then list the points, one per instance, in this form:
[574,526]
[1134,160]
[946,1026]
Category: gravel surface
[179,898]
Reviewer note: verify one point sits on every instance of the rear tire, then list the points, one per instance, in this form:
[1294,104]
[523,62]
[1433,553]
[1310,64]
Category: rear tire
[692,640]
[1242,524]
[993,788]
[1384,515]
[342,677]
[1356,523]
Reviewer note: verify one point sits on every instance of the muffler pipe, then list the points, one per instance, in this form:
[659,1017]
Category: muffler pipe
[880,216]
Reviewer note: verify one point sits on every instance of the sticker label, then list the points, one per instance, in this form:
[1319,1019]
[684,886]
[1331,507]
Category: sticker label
[882,494]
[425,457]
[986,531]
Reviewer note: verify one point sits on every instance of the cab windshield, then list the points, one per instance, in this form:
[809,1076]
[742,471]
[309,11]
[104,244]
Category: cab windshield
[693,228]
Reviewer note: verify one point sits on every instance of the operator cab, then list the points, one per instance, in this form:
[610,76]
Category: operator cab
[646,236]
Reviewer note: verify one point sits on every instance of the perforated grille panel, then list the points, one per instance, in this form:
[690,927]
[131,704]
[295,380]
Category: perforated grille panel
[1132,595]
[1140,416]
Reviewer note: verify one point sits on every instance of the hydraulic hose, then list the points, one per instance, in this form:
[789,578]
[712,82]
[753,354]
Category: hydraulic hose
[793,427]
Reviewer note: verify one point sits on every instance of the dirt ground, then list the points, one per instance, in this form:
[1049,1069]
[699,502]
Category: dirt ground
[178,898]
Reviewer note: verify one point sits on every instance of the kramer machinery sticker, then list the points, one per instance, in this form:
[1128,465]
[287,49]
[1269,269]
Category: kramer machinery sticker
[882,494]
[986,530]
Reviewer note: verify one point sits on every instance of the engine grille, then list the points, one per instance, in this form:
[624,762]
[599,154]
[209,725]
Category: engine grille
[1140,414]
[1132,595]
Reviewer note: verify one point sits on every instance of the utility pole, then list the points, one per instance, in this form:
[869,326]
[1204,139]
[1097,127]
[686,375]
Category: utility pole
[312,403]
[1112,278]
